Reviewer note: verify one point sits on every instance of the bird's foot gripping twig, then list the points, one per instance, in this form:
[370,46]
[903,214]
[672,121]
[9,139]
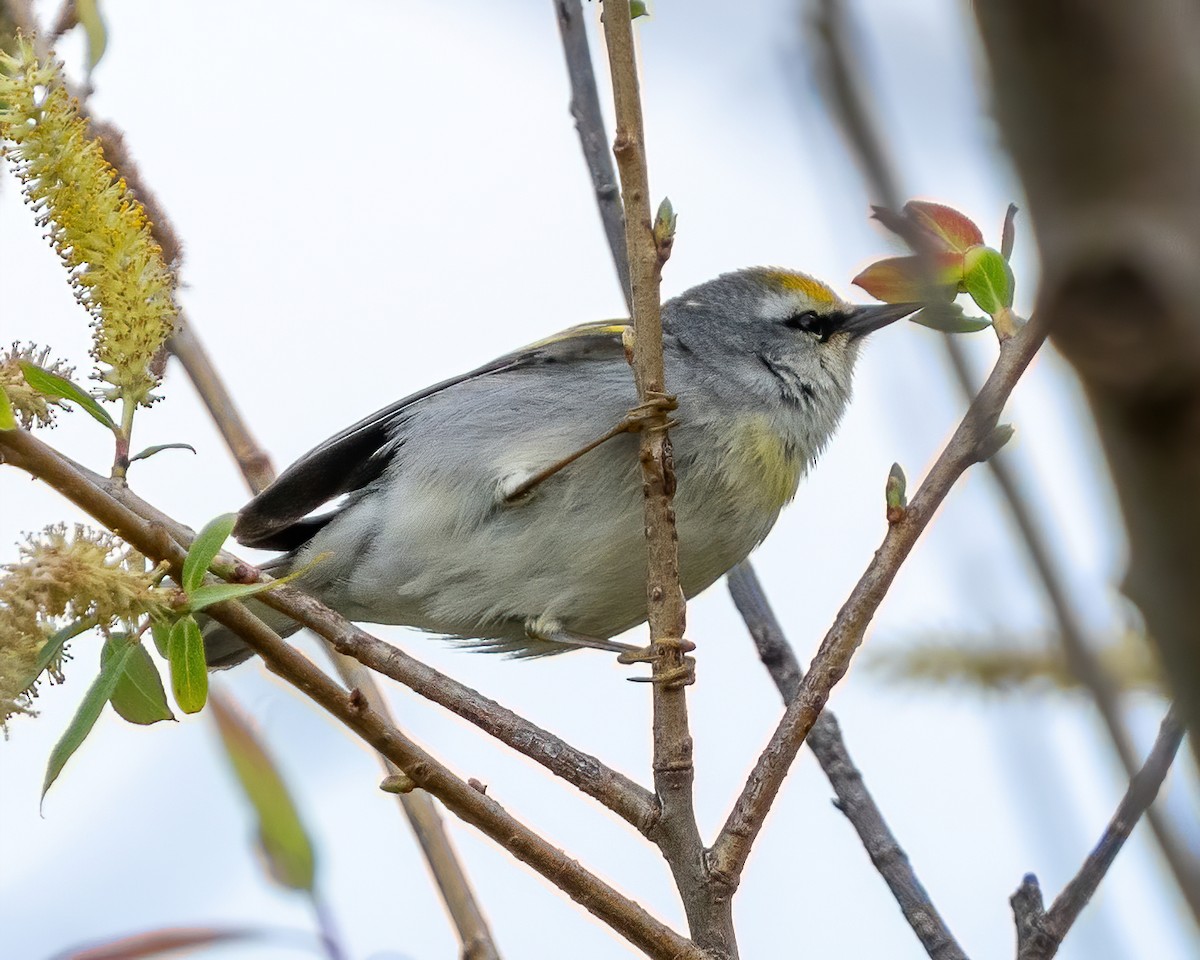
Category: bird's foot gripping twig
[681,674]
[646,413]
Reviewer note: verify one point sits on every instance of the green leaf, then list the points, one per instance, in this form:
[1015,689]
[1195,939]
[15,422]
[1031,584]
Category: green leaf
[8,419]
[139,696]
[160,630]
[988,278]
[207,595]
[281,833]
[60,388]
[1008,233]
[189,672]
[87,12]
[204,548]
[212,593]
[949,318]
[158,448]
[638,8]
[53,647]
[97,696]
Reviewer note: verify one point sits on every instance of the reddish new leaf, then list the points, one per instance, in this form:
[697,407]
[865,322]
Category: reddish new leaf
[156,943]
[908,279]
[945,226]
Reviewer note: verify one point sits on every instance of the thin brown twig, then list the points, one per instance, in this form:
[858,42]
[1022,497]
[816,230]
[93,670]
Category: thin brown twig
[745,820]
[834,25]
[707,904]
[589,124]
[157,541]
[1083,659]
[448,874]
[853,798]
[256,469]
[252,460]
[627,799]
[1040,932]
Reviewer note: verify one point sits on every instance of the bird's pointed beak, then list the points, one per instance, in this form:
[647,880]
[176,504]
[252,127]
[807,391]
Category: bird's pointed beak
[867,318]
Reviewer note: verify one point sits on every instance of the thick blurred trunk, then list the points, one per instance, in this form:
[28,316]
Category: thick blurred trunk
[1100,103]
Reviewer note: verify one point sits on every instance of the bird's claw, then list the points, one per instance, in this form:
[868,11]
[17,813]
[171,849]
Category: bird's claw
[655,405]
[681,674]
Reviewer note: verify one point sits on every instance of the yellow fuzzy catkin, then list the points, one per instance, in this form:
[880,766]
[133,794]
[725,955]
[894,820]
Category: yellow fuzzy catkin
[31,408]
[62,576]
[98,229]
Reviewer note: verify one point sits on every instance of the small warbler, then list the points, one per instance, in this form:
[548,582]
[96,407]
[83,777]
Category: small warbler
[470,509]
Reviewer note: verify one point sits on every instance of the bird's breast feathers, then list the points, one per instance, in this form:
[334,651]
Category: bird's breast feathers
[763,463]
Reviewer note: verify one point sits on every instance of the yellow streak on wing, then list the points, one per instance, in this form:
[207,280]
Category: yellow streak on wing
[762,464]
[601,328]
[802,283]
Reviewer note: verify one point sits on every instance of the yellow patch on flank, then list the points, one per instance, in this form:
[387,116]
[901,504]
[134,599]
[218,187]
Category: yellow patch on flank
[762,463]
[813,289]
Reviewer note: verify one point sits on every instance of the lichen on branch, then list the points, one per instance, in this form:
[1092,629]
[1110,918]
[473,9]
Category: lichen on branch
[98,228]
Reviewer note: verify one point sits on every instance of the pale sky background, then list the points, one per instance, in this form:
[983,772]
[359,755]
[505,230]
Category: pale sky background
[376,195]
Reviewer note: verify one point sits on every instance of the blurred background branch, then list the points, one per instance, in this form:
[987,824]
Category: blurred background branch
[837,36]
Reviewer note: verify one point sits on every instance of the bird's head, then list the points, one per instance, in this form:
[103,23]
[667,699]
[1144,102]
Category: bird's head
[778,329]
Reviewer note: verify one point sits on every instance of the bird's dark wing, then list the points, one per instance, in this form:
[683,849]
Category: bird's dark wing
[277,519]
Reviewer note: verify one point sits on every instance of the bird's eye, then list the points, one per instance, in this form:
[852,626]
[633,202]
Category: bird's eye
[810,322]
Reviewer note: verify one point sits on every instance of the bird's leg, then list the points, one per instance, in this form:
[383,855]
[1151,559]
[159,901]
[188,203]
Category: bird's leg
[681,676]
[633,422]
[551,631]
[684,674]
[546,630]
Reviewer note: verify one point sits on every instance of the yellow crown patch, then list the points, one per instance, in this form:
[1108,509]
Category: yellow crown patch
[802,283]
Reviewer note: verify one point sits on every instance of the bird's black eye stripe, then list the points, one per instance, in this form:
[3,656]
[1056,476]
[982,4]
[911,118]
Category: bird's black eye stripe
[811,322]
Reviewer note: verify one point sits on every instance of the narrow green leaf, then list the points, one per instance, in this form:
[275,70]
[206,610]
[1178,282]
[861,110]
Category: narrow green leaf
[284,840]
[85,717]
[212,593]
[60,388]
[989,280]
[1008,233]
[53,647]
[204,548]
[949,318]
[8,419]
[160,630]
[189,672]
[159,448]
[139,696]
[87,12]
